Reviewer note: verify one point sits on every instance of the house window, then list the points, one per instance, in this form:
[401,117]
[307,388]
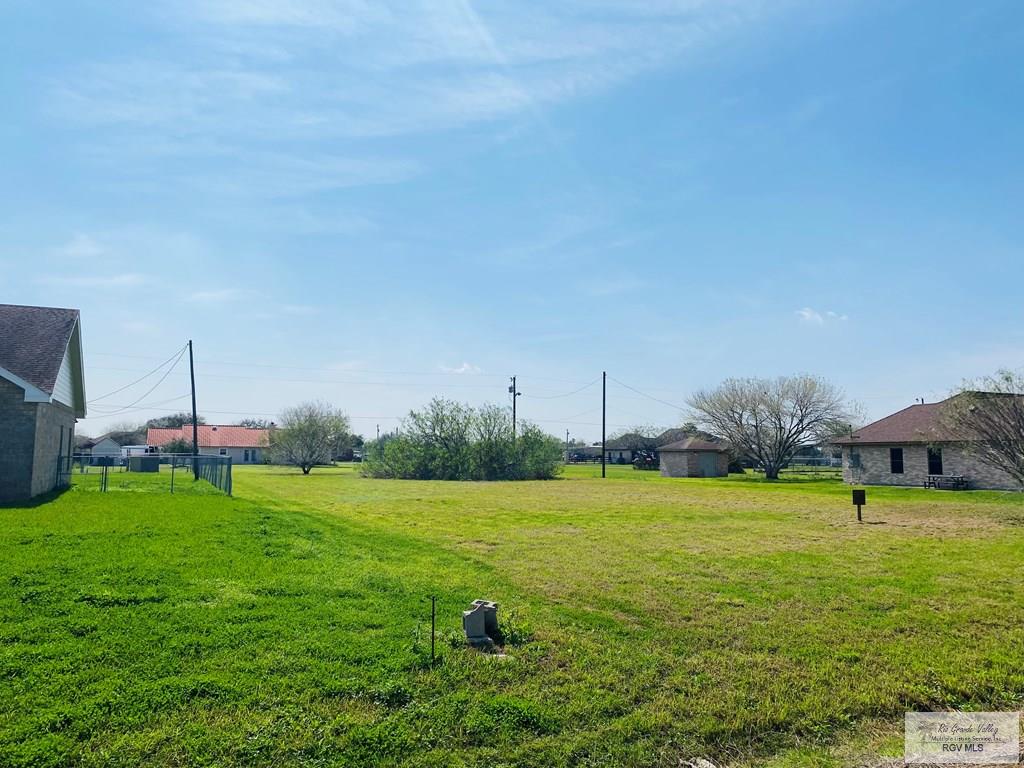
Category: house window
[223,451]
[854,460]
[896,461]
[246,459]
[934,461]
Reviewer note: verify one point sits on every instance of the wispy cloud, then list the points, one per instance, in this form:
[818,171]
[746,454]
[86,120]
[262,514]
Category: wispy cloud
[299,310]
[610,286]
[245,78]
[464,369]
[81,246]
[810,316]
[218,295]
[123,280]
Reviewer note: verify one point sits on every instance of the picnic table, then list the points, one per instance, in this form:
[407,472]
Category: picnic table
[949,482]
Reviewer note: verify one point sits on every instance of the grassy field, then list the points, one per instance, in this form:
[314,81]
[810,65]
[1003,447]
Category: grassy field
[648,621]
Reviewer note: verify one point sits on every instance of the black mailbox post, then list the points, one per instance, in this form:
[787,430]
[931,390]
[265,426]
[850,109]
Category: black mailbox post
[860,499]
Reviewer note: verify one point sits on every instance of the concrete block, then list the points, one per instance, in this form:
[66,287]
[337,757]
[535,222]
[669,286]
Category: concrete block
[480,622]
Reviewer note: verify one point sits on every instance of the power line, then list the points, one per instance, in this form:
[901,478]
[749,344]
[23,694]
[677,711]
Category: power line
[144,406]
[153,388]
[566,394]
[205,361]
[649,397]
[142,378]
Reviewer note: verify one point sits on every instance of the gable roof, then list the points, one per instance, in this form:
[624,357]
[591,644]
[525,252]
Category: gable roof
[919,423]
[34,343]
[211,436]
[694,444]
[631,441]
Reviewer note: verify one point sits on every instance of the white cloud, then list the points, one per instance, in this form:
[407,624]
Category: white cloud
[244,78]
[811,316]
[81,247]
[465,368]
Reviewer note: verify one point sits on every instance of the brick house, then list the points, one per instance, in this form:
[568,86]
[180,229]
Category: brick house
[694,457]
[244,445]
[912,447]
[42,396]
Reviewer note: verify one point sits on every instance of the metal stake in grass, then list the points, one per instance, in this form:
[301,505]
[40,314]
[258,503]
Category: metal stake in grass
[860,499]
[433,626]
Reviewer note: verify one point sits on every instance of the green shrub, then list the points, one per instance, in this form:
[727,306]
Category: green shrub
[451,441]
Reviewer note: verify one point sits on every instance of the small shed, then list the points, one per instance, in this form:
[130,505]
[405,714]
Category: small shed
[694,457]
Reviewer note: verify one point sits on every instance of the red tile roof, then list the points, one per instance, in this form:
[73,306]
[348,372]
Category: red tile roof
[212,436]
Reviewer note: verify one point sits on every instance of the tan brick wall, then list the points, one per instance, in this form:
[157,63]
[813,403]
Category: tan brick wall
[17,442]
[55,436]
[687,464]
[875,467]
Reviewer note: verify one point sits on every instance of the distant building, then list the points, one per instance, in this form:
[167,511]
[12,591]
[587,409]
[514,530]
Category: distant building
[42,395]
[913,447]
[101,449]
[694,457]
[244,445]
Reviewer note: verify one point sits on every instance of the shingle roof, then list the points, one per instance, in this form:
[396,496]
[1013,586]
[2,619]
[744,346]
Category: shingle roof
[211,436]
[694,444]
[33,341]
[915,424]
[630,441]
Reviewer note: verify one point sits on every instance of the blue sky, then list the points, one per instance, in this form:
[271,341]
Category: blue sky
[372,203]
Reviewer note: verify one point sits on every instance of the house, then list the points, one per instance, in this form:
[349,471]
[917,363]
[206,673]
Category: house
[42,396]
[914,447]
[244,445]
[102,449]
[694,457]
[625,448]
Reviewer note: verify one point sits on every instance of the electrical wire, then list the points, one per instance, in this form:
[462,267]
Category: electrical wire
[206,361]
[176,356]
[566,394]
[153,388]
[644,394]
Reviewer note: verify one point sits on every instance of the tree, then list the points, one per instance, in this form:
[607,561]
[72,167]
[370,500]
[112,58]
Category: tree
[447,440]
[173,421]
[307,434]
[255,423]
[177,445]
[989,416]
[770,419]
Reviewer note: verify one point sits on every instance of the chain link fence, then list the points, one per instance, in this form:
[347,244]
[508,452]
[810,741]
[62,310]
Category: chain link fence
[154,473]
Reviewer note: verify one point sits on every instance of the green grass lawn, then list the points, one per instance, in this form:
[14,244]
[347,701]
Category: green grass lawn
[649,620]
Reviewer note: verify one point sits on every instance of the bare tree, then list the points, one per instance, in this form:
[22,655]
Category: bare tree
[770,419]
[307,434]
[989,416]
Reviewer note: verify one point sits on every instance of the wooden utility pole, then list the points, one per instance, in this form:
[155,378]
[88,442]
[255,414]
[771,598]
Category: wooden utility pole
[195,415]
[604,402]
[515,395]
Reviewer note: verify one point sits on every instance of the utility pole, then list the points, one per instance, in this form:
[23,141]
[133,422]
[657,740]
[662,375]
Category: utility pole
[515,394]
[604,402]
[195,417]
[567,446]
